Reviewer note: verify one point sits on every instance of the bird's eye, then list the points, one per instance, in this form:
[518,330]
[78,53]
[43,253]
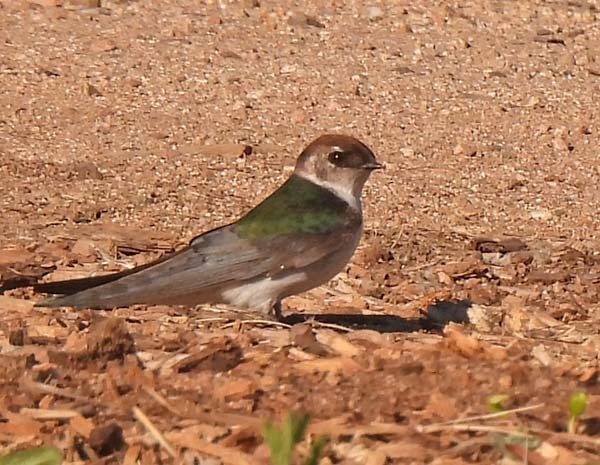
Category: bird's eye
[335,157]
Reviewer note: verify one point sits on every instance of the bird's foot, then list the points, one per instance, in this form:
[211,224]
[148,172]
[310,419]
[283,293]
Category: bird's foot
[275,312]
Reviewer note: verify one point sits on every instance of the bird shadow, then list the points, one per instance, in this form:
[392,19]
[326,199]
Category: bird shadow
[434,318]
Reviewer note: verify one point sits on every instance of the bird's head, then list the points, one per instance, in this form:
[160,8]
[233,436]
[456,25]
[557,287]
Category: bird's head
[340,163]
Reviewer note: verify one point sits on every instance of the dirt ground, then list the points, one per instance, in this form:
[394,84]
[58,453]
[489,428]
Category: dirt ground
[128,127]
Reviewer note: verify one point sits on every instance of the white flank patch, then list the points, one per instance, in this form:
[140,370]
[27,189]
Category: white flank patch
[261,294]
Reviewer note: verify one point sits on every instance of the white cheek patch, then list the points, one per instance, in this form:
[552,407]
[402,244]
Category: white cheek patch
[345,191]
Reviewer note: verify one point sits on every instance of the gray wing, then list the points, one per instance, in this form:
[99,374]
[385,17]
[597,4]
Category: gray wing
[197,273]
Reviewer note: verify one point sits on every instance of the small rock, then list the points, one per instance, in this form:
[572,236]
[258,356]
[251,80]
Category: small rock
[133,82]
[231,54]
[559,140]
[87,170]
[91,90]
[84,248]
[540,214]
[464,149]
[287,69]
[102,45]
[505,259]
[75,4]
[509,244]
[255,94]
[566,63]
[298,117]
[107,439]
[303,336]
[297,18]
[498,74]
[214,150]
[47,3]
[374,13]
[403,70]
[531,102]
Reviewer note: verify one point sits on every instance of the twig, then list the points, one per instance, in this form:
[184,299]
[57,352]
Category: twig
[486,416]
[220,418]
[33,386]
[322,324]
[473,428]
[157,435]
[457,425]
[228,456]
[210,320]
[410,269]
[568,437]
[49,414]
[161,400]
[257,322]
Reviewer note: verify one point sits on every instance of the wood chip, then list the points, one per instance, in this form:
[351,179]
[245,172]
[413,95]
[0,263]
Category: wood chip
[335,365]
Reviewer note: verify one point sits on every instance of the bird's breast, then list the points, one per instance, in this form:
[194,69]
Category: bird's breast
[323,270]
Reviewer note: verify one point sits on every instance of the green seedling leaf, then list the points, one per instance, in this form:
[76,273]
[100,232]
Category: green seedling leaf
[316,450]
[282,441]
[44,455]
[577,406]
[296,426]
[280,455]
[495,402]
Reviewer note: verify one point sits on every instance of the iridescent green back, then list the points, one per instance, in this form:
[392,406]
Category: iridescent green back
[299,206]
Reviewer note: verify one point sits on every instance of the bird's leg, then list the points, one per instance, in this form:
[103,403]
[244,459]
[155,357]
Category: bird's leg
[276,311]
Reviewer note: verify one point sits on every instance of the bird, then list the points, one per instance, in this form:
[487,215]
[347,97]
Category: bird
[296,239]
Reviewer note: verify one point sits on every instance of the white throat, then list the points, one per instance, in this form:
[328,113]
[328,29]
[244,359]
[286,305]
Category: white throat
[345,192]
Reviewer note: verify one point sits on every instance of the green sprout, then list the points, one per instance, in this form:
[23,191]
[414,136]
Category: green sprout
[495,403]
[44,455]
[282,441]
[577,404]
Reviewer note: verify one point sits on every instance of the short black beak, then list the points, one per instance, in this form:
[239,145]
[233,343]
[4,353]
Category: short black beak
[373,166]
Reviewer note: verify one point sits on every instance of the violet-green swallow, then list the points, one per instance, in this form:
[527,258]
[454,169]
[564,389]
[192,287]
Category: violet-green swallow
[298,238]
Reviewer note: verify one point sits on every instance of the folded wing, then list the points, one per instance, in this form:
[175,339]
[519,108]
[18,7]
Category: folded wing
[199,272]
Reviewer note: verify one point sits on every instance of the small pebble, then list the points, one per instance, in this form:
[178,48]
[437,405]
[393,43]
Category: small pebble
[374,13]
